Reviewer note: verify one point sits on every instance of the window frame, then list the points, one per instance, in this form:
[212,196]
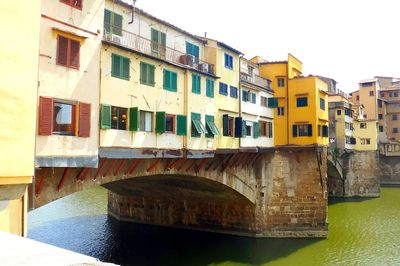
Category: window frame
[119,116]
[148,69]
[281,82]
[233,89]
[280,111]
[228,61]
[196,83]
[210,88]
[322,103]
[173,80]
[171,116]
[72,131]
[144,122]
[68,52]
[223,86]
[121,67]
[302,102]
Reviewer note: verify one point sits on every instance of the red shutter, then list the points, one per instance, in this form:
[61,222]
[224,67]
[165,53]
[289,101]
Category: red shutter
[45,116]
[62,50]
[84,120]
[77,3]
[74,54]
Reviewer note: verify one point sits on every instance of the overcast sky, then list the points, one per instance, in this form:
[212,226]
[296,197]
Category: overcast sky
[347,40]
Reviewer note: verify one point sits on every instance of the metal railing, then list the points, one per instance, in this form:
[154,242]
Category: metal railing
[145,46]
[257,80]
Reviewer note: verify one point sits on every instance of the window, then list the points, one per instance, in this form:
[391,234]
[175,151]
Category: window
[147,74]
[281,82]
[390,94]
[120,67]
[367,84]
[302,130]
[74,3]
[146,121]
[196,84]
[347,140]
[325,132]
[227,126]
[322,104]
[68,52]
[380,116]
[210,88]
[266,129]
[170,80]
[211,128]
[380,128]
[233,92]
[193,50]
[264,101]
[228,61]
[302,101]
[371,93]
[382,94]
[339,112]
[223,89]
[253,97]
[358,97]
[248,130]
[197,127]
[64,118]
[365,141]
[363,125]
[347,112]
[380,103]
[245,96]
[281,111]
[112,22]
[118,117]
[169,123]
[396,94]
[395,130]
[158,43]
[394,117]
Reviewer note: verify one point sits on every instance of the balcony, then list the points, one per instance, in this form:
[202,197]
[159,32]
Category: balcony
[142,45]
[256,80]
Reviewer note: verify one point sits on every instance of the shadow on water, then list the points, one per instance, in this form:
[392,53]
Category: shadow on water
[135,244]
[335,200]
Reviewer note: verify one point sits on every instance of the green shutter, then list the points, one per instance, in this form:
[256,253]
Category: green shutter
[154,41]
[117,29]
[151,75]
[244,128]
[212,129]
[210,88]
[294,129]
[195,83]
[272,102]
[125,68]
[143,70]
[115,65]
[133,119]
[181,121]
[197,126]
[163,39]
[107,20]
[167,80]
[174,81]
[160,122]
[105,116]
[309,130]
[256,130]
[270,134]
[225,125]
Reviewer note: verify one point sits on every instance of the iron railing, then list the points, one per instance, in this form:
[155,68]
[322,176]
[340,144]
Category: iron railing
[140,44]
[257,80]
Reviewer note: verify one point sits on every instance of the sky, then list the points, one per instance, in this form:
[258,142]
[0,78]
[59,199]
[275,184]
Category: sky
[347,40]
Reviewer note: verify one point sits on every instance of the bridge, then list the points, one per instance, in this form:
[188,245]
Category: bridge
[272,192]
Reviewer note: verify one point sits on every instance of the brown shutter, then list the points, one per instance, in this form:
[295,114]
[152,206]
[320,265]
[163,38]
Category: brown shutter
[45,116]
[62,50]
[74,54]
[77,3]
[84,120]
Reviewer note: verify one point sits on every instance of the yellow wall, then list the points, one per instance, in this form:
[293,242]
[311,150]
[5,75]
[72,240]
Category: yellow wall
[369,102]
[295,67]
[19,51]
[370,132]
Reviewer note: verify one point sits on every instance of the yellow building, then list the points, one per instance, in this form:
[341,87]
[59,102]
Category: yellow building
[365,130]
[18,91]
[157,90]
[301,117]
[227,95]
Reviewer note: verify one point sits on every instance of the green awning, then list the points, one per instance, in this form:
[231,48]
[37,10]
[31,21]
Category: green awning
[199,126]
[212,127]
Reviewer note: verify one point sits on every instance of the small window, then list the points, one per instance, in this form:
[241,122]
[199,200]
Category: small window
[380,116]
[363,125]
[339,112]
[396,94]
[223,89]
[395,130]
[302,102]
[245,96]
[74,3]
[264,101]
[358,97]
[382,94]
[196,84]
[227,126]
[365,141]
[210,88]
[64,118]
[266,129]
[233,92]
[248,130]
[228,61]
[169,123]
[322,104]
[367,84]
[371,93]
[118,117]
[211,128]
[147,74]
[281,82]
[68,52]
[380,103]
[380,128]
[170,81]
[304,130]
[197,126]
[281,111]
[253,97]
[112,23]
[120,67]
[146,121]
[394,117]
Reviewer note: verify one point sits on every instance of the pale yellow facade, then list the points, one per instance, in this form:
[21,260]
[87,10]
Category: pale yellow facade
[19,48]
[365,132]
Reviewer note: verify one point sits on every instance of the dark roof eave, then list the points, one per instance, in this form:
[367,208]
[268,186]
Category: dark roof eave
[258,86]
[229,48]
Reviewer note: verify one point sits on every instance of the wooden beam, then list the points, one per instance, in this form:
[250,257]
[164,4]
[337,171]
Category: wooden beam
[226,164]
[209,165]
[135,165]
[81,172]
[102,164]
[41,182]
[63,178]
[191,165]
[110,167]
[176,163]
[129,166]
[182,164]
[153,165]
[84,174]
[202,163]
[121,165]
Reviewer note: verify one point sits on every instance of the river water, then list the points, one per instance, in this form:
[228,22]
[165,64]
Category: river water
[361,232]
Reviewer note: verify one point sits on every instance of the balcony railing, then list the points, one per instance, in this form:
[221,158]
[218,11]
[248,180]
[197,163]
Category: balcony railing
[257,80]
[140,44]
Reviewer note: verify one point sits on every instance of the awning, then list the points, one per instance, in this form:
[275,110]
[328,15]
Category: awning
[199,126]
[212,128]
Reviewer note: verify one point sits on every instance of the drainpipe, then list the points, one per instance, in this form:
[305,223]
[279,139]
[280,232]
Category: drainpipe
[240,99]
[287,103]
[185,105]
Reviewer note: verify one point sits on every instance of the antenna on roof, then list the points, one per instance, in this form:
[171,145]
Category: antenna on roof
[133,11]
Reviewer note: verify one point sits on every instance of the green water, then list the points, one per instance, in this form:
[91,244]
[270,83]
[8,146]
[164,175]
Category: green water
[361,232]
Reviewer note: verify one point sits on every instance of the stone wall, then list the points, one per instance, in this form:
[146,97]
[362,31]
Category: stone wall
[389,170]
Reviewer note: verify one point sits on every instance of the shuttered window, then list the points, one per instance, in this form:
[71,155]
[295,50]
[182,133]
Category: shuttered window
[233,92]
[325,131]
[68,52]
[239,127]
[211,128]
[256,130]
[64,118]
[147,74]
[84,120]
[223,89]
[45,116]
[133,119]
[181,127]
[272,102]
[74,3]
[105,113]
[253,97]
[196,84]
[245,96]
[265,129]
[303,130]
[120,66]
[112,22]
[160,122]
[210,88]
[170,80]
[227,126]
[228,61]
[119,118]
[302,102]
[197,126]
[158,43]
[192,49]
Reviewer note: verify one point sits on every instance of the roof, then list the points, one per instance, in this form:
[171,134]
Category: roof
[367,81]
[142,12]
[273,62]
[230,48]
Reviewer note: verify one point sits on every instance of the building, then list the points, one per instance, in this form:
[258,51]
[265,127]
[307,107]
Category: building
[256,107]
[69,76]
[365,130]
[18,92]
[301,116]
[157,90]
